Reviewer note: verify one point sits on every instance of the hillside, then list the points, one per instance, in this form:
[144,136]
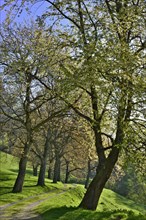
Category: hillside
[43,200]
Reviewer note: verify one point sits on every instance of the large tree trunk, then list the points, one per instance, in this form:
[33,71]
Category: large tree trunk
[91,198]
[41,178]
[21,175]
[22,168]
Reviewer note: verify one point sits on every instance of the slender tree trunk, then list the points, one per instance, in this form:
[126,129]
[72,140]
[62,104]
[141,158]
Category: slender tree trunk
[88,174]
[59,171]
[67,172]
[56,169]
[35,170]
[41,178]
[50,173]
[91,198]
[67,177]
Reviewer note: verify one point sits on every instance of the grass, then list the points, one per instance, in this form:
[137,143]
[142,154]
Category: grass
[8,173]
[111,206]
[59,202]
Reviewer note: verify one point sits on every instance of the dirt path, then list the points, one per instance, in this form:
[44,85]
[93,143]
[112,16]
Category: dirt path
[28,211]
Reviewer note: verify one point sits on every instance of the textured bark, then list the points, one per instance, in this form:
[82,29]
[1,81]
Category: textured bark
[21,175]
[93,193]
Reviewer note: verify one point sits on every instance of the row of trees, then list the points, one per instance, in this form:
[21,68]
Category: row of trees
[89,60]
[35,121]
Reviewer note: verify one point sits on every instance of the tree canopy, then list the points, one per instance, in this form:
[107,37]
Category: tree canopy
[99,73]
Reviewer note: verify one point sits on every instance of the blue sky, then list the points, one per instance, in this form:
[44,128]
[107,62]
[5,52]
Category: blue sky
[36,10]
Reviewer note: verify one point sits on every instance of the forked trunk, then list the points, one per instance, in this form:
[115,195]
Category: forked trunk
[93,193]
[21,175]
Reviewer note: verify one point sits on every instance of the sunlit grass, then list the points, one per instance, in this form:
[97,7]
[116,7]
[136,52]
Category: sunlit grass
[9,168]
[59,201]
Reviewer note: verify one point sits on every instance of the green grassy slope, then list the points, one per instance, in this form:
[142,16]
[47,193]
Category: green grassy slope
[8,174]
[62,204]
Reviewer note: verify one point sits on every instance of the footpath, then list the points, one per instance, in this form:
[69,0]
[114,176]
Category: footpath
[19,211]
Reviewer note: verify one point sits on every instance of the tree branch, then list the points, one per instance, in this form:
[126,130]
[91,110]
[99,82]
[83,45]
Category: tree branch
[108,136]
[104,108]
[94,25]
[63,14]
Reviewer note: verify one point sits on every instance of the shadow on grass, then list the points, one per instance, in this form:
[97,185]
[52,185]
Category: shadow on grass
[43,188]
[16,171]
[71,213]
[8,189]
[5,190]
[56,213]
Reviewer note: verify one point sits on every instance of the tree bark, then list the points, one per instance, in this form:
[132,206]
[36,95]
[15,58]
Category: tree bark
[22,168]
[56,169]
[41,178]
[21,175]
[67,172]
[91,198]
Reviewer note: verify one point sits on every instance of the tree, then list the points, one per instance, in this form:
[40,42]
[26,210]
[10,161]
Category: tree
[20,62]
[104,82]
[79,150]
[61,133]
[41,179]
[110,72]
